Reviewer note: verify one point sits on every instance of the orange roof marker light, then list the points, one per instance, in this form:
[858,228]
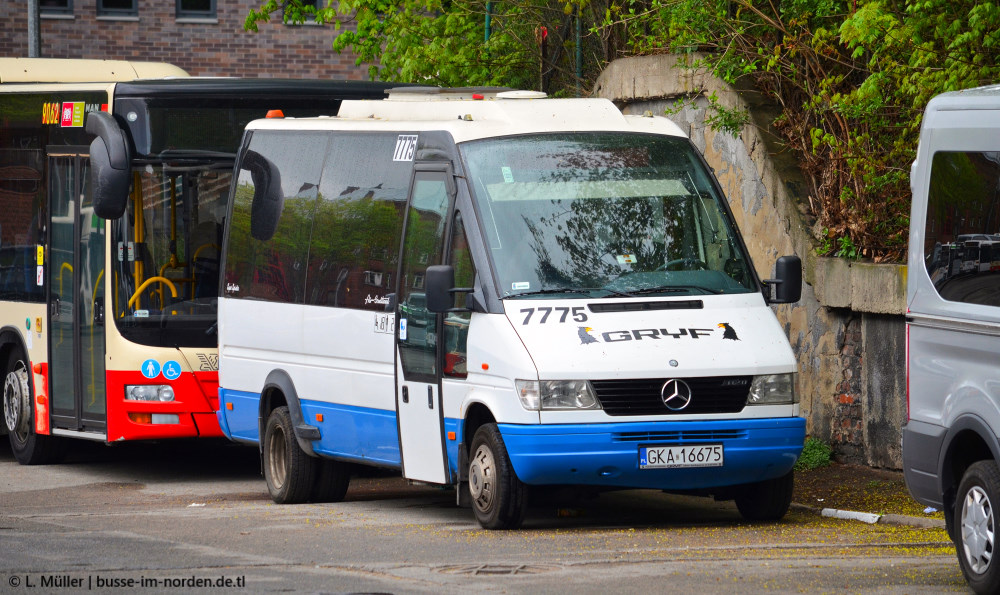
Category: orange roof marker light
[275,113]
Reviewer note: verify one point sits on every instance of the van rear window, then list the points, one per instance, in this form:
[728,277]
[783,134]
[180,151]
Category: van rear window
[962,235]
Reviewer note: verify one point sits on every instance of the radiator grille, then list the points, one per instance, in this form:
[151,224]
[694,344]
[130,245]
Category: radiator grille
[717,394]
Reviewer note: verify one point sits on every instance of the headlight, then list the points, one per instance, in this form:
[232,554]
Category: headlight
[149,392]
[556,394]
[773,389]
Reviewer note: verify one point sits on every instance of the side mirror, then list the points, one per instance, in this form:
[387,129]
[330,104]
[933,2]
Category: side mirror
[438,283]
[110,165]
[787,282]
[268,199]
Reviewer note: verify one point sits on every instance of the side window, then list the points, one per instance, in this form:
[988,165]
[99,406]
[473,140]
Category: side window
[962,236]
[456,324]
[359,223]
[273,266]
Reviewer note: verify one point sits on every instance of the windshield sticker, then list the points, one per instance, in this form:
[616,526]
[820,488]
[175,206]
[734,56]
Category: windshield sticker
[520,285]
[626,259]
[508,176]
[729,333]
[402,329]
[141,314]
[406,147]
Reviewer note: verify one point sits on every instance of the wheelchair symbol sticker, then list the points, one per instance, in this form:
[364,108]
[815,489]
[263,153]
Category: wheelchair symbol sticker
[151,368]
[171,370]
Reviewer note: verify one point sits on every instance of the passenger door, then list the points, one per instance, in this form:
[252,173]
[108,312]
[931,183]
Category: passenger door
[418,362]
[76,296]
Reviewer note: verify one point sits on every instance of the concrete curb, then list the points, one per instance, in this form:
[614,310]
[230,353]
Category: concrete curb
[870,518]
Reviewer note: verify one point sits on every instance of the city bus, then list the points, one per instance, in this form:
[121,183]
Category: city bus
[108,313]
[496,291]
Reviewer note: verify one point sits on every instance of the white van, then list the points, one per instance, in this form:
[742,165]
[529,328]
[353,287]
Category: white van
[950,442]
[494,290]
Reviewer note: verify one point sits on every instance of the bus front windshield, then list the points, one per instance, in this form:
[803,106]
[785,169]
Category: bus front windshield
[589,215]
[166,252]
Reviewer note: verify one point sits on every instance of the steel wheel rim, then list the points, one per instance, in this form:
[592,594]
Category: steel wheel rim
[977,530]
[276,457]
[482,474]
[15,406]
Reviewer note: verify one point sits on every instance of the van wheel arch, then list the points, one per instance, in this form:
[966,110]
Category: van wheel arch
[969,441]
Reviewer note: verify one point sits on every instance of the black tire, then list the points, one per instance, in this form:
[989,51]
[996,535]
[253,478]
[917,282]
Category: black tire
[766,500]
[499,499]
[332,479]
[975,526]
[19,416]
[288,471]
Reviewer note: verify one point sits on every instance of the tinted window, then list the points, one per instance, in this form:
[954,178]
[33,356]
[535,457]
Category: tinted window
[359,220]
[962,237]
[275,269]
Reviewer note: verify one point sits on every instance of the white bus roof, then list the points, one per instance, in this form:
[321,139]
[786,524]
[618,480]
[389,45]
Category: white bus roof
[54,70]
[496,114]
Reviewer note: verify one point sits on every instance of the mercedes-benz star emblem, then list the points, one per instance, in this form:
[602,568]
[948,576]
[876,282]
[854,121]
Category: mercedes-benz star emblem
[676,394]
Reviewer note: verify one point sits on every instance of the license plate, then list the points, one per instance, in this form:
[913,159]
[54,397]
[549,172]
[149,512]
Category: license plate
[670,457]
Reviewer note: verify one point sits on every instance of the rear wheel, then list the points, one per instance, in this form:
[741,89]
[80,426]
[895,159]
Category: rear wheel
[499,499]
[975,535]
[766,500]
[290,473]
[332,479]
[19,416]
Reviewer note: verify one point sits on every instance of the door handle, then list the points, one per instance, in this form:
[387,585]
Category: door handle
[406,394]
[430,397]
[54,307]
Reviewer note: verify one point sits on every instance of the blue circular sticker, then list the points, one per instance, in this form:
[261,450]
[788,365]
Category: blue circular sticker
[171,370]
[151,368]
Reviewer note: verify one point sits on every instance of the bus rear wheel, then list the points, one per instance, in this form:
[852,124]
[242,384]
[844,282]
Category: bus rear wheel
[499,499]
[288,471]
[766,500]
[19,416]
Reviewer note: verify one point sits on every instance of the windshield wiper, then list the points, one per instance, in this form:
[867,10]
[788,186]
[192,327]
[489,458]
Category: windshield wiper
[673,289]
[548,291]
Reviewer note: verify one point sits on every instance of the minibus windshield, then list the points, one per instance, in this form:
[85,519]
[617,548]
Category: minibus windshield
[584,215]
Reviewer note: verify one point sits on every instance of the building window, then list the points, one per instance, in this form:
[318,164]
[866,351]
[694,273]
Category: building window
[55,6]
[196,9]
[109,8]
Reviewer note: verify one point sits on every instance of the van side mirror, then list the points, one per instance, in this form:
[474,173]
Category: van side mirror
[787,282]
[110,165]
[438,282]
[268,199]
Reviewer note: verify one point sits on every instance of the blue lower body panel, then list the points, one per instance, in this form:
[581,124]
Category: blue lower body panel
[607,454]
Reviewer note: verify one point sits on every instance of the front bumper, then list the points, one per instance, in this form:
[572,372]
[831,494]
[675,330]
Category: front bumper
[608,454]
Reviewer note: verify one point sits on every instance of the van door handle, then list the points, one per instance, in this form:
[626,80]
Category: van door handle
[430,397]
[406,394]
[55,307]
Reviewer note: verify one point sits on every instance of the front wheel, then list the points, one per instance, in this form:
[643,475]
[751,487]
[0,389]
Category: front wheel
[289,472]
[499,499]
[19,416]
[766,500]
[975,538]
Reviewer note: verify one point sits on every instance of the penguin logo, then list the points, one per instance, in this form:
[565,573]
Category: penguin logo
[585,336]
[730,332]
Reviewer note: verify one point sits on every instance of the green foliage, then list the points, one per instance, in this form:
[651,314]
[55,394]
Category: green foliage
[815,454]
[851,77]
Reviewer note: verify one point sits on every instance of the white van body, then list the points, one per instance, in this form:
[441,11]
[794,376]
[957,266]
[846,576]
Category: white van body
[529,377]
[950,443]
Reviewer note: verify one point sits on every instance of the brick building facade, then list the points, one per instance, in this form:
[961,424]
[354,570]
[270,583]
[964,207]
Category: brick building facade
[210,44]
